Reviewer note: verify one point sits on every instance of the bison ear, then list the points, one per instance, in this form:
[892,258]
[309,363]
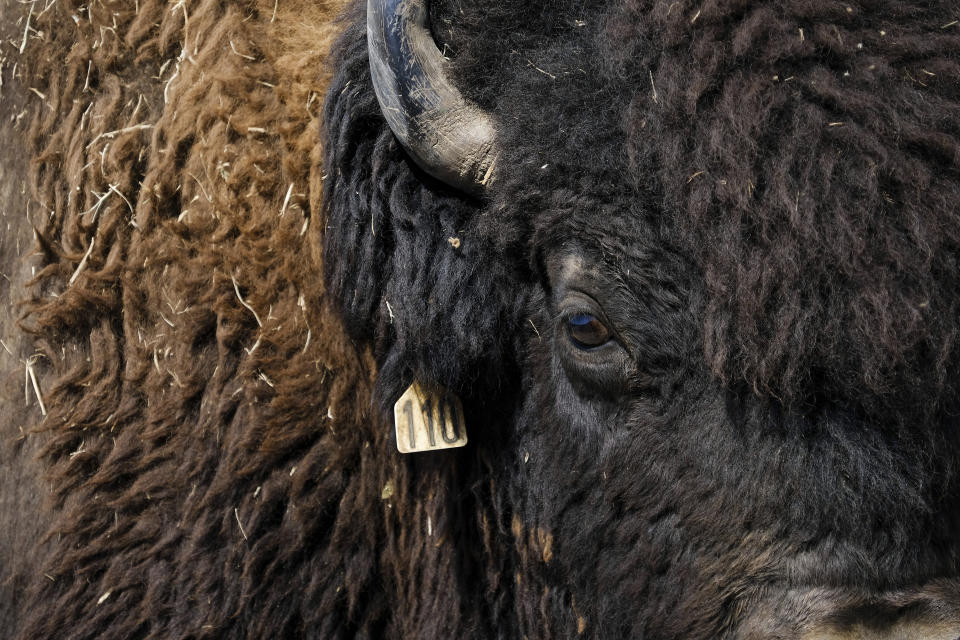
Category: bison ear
[408,261]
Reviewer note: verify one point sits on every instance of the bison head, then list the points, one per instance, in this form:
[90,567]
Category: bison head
[693,269]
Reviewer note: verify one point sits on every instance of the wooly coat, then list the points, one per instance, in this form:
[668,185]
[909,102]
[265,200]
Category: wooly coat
[204,431]
[758,199]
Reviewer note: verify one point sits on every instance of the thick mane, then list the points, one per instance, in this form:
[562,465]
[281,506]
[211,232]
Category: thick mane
[214,463]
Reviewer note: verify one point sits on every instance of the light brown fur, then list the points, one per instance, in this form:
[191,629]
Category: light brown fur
[178,309]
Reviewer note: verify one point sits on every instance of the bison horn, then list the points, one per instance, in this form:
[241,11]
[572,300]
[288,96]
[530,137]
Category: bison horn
[450,138]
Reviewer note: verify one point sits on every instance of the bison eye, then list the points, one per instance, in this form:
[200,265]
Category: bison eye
[586,331]
[589,348]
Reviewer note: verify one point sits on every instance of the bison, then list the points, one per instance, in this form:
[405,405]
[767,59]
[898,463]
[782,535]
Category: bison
[690,268]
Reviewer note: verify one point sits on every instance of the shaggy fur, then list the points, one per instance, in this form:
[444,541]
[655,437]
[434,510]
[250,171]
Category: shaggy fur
[776,456]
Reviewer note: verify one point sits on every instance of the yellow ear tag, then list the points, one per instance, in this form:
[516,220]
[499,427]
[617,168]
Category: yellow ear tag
[428,419]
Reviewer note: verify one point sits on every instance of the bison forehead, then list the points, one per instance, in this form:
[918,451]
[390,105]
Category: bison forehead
[802,156]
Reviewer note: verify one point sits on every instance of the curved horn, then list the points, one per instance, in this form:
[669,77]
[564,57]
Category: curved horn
[450,138]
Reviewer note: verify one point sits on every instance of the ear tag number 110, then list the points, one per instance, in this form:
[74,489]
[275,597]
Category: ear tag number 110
[428,419]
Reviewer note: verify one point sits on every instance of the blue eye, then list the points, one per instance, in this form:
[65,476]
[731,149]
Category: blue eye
[586,331]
